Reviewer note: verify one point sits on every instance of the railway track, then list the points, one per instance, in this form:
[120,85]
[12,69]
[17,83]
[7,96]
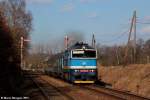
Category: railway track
[31,76]
[43,92]
[101,92]
[46,89]
[80,93]
[114,93]
[60,91]
[124,94]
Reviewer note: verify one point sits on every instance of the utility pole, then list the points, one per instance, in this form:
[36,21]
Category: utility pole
[21,50]
[133,25]
[93,41]
[66,42]
[134,37]
[116,49]
[22,40]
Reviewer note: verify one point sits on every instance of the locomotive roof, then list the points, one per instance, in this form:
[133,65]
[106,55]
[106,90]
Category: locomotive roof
[81,45]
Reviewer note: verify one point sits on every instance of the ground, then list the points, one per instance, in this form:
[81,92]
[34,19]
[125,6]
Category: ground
[133,78]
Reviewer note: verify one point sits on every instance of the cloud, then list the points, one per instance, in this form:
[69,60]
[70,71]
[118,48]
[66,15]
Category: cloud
[147,18]
[88,1]
[92,15]
[145,29]
[37,1]
[40,1]
[67,7]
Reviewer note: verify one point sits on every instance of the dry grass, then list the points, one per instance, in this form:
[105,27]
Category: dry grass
[133,78]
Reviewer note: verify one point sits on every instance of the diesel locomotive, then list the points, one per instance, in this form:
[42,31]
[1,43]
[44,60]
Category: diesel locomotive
[77,64]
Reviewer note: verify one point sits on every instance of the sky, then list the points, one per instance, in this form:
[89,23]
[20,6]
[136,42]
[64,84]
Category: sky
[108,20]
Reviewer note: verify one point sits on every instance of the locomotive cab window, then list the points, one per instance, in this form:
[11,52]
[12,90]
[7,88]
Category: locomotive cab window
[91,54]
[84,54]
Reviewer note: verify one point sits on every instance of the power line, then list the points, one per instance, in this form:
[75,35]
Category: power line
[117,38]
[132,29]
[143,22]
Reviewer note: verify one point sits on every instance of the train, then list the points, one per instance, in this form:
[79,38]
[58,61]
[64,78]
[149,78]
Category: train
[77,64]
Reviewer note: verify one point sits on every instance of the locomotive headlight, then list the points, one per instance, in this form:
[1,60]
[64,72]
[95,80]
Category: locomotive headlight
[76,70]
[91,70]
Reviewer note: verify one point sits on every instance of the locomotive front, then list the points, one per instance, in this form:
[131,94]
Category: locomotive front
[82,63]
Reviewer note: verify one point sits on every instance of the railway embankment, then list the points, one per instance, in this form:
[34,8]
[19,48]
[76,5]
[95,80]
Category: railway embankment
[132,78]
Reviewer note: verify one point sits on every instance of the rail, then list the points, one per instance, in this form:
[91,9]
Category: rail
[115,93]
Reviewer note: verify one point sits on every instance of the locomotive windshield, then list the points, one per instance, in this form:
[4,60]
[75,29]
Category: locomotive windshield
[84,54]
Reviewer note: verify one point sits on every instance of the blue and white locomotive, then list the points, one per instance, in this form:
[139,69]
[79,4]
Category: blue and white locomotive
[77,64]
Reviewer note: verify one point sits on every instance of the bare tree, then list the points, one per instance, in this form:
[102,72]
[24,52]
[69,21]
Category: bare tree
[17,18]
[114,55]
[15,22]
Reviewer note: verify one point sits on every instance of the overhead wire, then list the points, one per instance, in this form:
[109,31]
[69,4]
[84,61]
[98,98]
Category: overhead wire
[117,38]
[143,21]
[126,32]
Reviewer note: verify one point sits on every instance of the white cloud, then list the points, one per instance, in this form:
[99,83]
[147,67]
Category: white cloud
[68,7]
[147,18]
[145,29]
[88,1]
[92,15]
[40,1]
